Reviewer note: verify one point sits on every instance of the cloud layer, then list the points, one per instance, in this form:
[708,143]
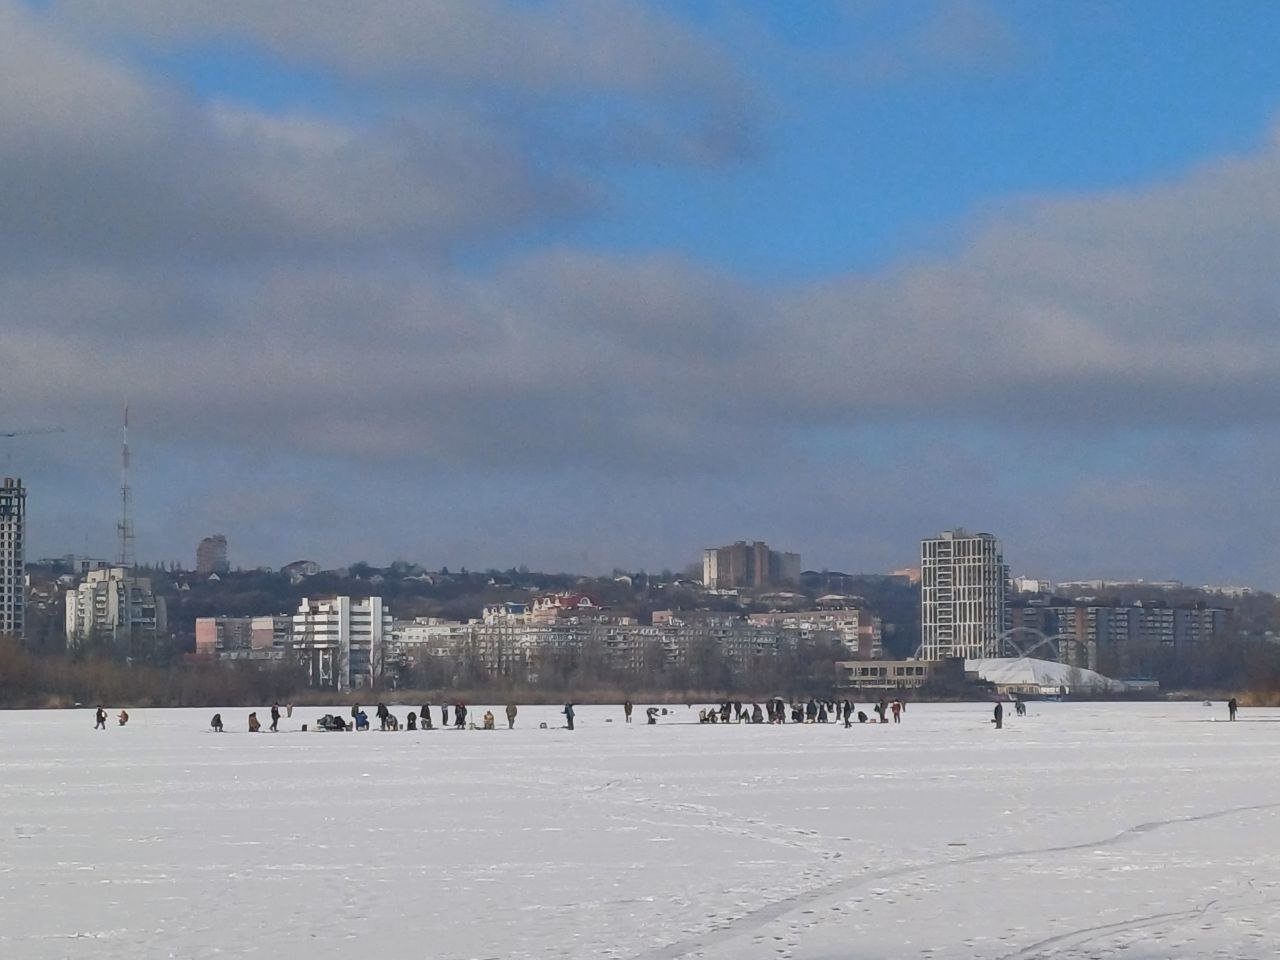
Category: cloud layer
[377,290]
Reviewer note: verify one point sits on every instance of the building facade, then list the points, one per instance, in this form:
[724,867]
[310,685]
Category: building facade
[341,641]
[748,565]
[963,593]
[115,607]
[211,555]
[13,589]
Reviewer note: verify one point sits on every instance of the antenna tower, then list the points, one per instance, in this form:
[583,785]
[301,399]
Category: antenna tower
[125,527]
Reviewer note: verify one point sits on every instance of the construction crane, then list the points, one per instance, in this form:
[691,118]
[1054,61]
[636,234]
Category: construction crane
[38,431]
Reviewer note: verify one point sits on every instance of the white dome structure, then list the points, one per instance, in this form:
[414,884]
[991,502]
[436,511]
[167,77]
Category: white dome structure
[1027,675]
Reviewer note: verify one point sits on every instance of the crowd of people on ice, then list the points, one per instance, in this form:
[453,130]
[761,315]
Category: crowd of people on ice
[775,711]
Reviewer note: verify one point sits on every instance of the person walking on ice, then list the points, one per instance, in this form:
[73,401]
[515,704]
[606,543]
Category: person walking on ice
[100,719]
[1232,707]
[275,718]
[511,716]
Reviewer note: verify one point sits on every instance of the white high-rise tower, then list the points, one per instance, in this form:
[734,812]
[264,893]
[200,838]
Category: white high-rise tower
[962,595]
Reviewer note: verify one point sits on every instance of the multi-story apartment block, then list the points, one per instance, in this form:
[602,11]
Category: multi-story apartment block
[13,589]
[751,565]
[340,641]
[236,638]
[963,581]
[1095,635]
[211,555]
[114,606]
[859,630]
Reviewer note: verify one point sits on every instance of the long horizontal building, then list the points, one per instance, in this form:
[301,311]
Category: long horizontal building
[1096,635]
[503,644]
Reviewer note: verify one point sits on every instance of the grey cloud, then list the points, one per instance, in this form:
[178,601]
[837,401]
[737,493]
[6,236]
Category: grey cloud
[98,163]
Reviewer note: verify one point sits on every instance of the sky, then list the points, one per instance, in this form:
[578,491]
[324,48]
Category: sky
[584,284]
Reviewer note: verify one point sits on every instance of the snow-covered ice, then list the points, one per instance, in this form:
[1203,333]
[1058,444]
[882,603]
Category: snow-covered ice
[1082,830]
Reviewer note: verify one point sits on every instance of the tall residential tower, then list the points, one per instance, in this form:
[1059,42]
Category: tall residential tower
[963,581]
[13,591]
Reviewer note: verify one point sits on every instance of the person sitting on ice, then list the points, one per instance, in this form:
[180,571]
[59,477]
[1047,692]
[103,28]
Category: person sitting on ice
[362,720]
[254,725]
[216,723]
[123,718]
[488,719]
[411,721]
[757,715]
[862,717]
[652,714]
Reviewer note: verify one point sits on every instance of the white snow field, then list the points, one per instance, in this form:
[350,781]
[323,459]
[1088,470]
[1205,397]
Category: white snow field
[1082,830]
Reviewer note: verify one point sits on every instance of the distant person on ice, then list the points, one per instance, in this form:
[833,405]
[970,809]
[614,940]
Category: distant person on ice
[568,715]
[459,716]
[383,715]
[488,719]
[100,719]
[896,708]
[123,718]
[998,718]
[1232,707]
[626,710]
[275,718]
[254,725]
[511,716]
[216,723]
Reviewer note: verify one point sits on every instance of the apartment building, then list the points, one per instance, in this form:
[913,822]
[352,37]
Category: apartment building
[340,641]
[963,590]
[13,588]
[114,606]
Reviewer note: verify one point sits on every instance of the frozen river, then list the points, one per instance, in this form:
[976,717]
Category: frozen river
[1093,830]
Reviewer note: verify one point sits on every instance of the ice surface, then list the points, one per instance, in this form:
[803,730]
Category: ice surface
[1082,830]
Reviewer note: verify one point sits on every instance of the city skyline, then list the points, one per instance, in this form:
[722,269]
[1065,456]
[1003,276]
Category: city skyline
[584,285]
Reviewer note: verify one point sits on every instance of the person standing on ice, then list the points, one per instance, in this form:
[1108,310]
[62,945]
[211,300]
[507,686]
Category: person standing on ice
[1232,707]
[896,707]
[100,719]
[511,716]
[626,710]
[459,716]
[998,719]
[444,716]
[275,718]
[568,715]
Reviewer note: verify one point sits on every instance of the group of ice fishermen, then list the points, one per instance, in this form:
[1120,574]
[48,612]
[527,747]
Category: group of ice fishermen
[815,711]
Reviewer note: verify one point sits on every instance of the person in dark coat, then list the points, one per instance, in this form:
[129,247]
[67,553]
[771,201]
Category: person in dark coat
[511,716]
[626,710]
[100,719]
[216,723]
[652,714]
[411,721]
[275,718]
[383,715]
[459,716]
[568,715]
[757,715]
[862,717]
[811,711]
[998,719]
[1232,707]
